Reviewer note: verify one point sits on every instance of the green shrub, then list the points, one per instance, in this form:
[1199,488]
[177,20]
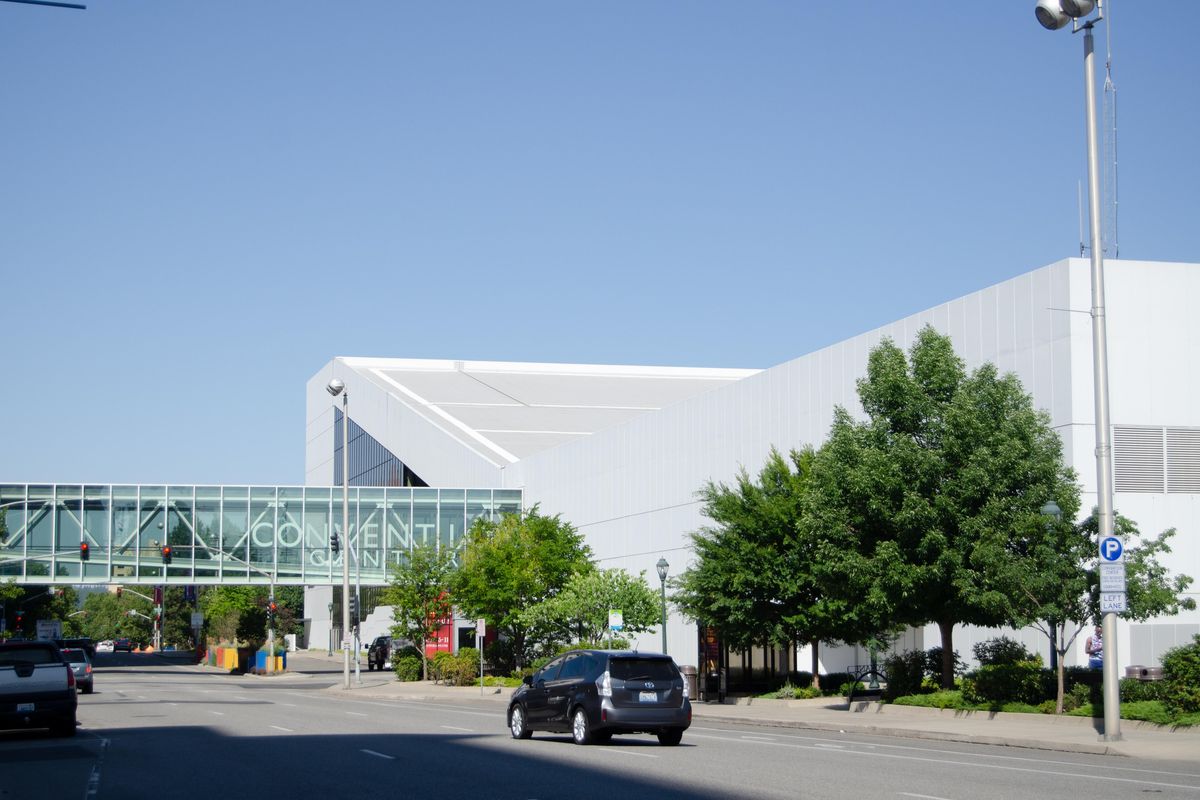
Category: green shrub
[945,698]
[997,684]
[905,674]
[933,664]
[407,668]
[1136,691]
[831,682]
[440,664]
[1181,674]
[1002,650]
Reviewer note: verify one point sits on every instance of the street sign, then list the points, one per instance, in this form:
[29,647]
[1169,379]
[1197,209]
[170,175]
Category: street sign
[1112,603]
[481,627]
[616,620]
[1112,578]
[1111,549]
[197,619]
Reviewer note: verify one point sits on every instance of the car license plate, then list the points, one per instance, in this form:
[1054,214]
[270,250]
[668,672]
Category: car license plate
[24,706]
[648,697]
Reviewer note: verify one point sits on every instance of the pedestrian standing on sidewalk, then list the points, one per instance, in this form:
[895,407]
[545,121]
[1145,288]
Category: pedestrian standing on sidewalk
[1094,646]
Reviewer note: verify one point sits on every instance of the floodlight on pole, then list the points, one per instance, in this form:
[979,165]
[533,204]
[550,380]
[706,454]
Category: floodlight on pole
[336,387]
[1053,15]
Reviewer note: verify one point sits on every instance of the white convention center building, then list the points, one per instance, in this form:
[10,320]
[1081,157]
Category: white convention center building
[620,451]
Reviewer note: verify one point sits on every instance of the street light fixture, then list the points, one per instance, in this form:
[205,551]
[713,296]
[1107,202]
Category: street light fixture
[330,608]
[663,566]
[336,387]
[1055,14]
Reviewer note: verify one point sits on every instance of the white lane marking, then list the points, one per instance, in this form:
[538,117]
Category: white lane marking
[624,752]
[356,713]
[240,697]
[218,713]
[456,728]
[93,784]
[379,755]
[285,730]
[922,796]
[831,746]
[953,762]
[759,738]
[289,705]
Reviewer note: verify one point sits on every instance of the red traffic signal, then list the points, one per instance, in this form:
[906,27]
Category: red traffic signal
[166,553]
[85,551]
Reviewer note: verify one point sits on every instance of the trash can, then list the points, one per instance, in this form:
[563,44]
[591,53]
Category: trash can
[689,677]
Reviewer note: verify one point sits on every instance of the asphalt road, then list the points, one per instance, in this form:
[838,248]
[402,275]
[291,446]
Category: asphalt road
[158,730]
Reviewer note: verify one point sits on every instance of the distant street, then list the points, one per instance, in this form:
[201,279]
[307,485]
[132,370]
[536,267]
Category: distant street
[154,729]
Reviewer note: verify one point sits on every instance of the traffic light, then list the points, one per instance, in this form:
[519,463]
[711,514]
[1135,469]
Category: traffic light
[334,544]
[85,552]
[166,553]
[272,610]
[353,610]
[20,620]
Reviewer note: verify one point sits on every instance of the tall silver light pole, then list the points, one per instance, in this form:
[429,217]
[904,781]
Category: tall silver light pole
[662,567]
[1055,14]
[336,387]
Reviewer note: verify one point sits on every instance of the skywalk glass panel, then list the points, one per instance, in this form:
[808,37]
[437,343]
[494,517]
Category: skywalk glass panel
[228,534]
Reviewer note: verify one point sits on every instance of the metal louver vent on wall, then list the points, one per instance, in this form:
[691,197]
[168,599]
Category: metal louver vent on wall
[1183,460]
[1138,463]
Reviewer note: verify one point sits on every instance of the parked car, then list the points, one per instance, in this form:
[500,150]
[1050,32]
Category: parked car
[81,665]
[104,647]
[123,644]
[593,694]
[37,688]
[379,652]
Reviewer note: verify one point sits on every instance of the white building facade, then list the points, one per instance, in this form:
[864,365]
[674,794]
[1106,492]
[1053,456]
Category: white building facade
[620,452]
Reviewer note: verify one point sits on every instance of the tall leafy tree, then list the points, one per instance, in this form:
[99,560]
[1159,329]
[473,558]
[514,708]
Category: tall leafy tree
[517,562]
[419,596]
[579,613]
[756,575]
[943,462]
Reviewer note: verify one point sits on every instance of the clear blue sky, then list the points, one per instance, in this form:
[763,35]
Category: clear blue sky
[203,202]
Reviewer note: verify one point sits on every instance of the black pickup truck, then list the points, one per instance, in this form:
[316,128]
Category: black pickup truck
[37,688]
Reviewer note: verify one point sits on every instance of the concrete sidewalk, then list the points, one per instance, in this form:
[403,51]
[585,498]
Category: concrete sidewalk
[1039,731]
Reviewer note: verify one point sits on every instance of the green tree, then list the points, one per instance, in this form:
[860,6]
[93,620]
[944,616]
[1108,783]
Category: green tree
[579,613]
[944,461]
[755,575]
[513,564]
[419,596]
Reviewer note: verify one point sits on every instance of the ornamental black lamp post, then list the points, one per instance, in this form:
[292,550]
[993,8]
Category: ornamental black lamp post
[1053,516]
[663,566]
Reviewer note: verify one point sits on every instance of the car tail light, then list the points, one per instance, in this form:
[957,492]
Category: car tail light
[88,670]
[70,678]
[685,690]
[604,685]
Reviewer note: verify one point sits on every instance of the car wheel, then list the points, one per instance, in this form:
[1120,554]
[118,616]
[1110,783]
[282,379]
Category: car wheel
[670,737]
[580,731]
[87,689]
[516,723]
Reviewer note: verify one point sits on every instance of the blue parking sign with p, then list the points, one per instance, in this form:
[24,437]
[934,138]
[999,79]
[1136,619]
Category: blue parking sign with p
[1111,548]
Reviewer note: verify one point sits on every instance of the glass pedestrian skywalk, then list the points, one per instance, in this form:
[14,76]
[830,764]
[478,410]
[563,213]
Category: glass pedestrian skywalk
[226,534]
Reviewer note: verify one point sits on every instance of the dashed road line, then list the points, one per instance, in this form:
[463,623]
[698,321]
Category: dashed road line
[378,755]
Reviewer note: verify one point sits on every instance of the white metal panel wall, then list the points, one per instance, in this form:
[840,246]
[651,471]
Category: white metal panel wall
[631,489]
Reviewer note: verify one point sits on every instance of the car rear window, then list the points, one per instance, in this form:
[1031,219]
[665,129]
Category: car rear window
[29,655]
[643,669]
[74,656]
